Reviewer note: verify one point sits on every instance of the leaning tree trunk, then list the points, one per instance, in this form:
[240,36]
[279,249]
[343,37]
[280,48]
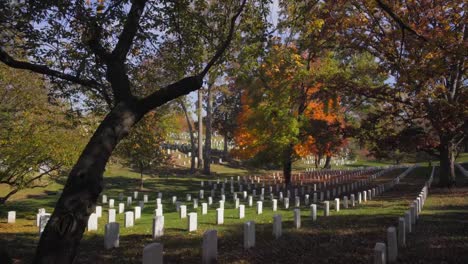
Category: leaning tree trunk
[60,240]
[447,163]
[287,164]
[192,138]
[327,162]
[207,152]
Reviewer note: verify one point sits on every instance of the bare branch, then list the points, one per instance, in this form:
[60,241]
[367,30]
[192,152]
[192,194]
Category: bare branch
[42,69]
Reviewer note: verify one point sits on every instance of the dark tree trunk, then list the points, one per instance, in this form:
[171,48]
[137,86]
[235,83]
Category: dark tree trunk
[6,197]
[287,164]
[447,163]
[207,152]
[327,162]
[60,240]
[192,137]
[200,129]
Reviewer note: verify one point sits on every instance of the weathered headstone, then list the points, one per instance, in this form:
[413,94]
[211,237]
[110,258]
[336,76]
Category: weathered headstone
[392,244]
[408,225]
[111,203]
[210,247]
[277,226]
[43,219]
[104,199]
[249,234]
[401,232]
[153,254]
[380,253]
[111,235]
[297,218]
[204,208]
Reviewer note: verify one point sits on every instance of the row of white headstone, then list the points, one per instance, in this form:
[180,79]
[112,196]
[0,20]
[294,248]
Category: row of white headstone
[388,252]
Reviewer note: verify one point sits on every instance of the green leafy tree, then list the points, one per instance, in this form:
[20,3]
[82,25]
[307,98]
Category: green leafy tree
[142,149]
[39,141]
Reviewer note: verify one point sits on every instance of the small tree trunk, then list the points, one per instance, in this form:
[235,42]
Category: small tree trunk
[207,157]
[287,164]
[60,240]
[192,137]
[327,162]
[447,163]
[200,129]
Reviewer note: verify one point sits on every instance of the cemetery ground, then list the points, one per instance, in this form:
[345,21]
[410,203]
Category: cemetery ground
[347,236]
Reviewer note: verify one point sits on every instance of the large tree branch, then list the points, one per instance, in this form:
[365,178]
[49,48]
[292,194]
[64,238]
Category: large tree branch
[129,31]
[42,69]
[226,43]
[192,83]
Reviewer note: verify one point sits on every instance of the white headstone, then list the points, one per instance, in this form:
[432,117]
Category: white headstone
[274,204]
[158,226]
[259,207]
[313,212]
[183,211]
[111,216]
[121,208]
[137,212]
[241,211]
[104,199]
[129,219]
[326,209]
[93,222]
[111,203]
[219,216]
[204,208]
[337,204]
[192,222]
[11,217]
[99,211]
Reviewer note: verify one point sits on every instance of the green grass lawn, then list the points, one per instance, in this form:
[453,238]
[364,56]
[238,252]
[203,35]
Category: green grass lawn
[347,236]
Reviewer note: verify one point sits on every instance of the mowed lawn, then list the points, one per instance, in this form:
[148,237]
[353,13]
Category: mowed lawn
[347,236]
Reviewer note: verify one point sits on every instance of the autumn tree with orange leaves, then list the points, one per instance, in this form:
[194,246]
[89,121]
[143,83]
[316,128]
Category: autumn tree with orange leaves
[280,102]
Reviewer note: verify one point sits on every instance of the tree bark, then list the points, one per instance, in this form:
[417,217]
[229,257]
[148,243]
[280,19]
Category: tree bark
[192,137]
[200,129]
[327,162]
[447,163]
[287,164]
[60,240]
[207,152]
